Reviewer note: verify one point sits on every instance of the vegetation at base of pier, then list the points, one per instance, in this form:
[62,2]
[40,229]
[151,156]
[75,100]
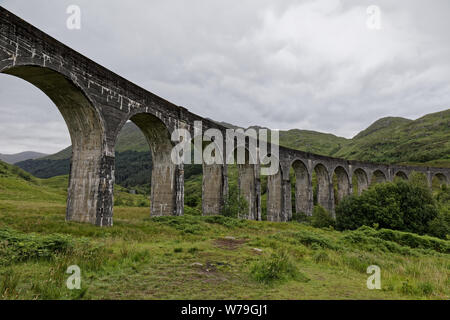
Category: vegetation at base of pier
[202,257]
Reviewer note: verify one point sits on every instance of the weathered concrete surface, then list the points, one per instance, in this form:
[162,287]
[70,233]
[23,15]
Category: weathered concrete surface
[213,189]
[343,184]
[303,188]
[96,103]
[249,188]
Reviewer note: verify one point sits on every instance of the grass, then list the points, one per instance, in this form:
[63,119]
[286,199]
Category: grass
[186,258]
[196,257]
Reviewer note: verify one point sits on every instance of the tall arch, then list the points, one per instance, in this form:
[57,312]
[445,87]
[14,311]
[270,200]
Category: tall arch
[438,180]
[303,188]
[360,181]
[167,177]
[276,210]
[248,182]
[342,184]
[401,175]
[378,176]
[324,187]
[91,172]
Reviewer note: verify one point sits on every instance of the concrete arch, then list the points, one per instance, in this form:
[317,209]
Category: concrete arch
[361,180]
[276,201]
[401,174]
[439,179]
[303,187]
[324,187]
[88,192]
[343,184]
[249,183]
[378,176]
[167,178]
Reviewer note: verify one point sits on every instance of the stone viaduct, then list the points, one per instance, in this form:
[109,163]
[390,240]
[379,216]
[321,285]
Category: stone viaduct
[96,103]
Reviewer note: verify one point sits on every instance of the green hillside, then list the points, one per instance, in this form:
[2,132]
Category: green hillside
[396,140]
[311,141]
[195,257]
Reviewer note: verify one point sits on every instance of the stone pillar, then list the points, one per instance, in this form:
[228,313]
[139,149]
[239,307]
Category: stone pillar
[90,192]
[179,211]
[163,189]
[303,190]
[249,188]
[363,182]
[286,200]
[324,188]
[213,188]
[274,197]
[429,179]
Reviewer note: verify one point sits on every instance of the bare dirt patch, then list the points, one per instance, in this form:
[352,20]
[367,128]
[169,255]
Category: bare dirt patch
[229,243]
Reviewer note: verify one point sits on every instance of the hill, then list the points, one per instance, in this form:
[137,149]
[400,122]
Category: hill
[22,156]
[195,257]
[395,140]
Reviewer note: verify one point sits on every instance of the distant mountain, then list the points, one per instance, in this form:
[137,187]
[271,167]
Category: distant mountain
[397,140]
[22,156]
[388,140]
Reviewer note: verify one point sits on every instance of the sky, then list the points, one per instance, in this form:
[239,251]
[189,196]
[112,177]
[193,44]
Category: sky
[332,66]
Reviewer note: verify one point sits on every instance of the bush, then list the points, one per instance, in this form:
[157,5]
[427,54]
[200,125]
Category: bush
[301,217]
[16,246]
[440,226]
[309,239]
[394,241]
[235,206]
[401,205]
[277,267]
[321,218]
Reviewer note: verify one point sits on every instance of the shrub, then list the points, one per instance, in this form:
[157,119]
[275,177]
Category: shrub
[321,218]
[277,267]
[301,217]
[440,226]
[310,239]
[401,205]
[394,241]
[16,246]
[235,205]
[426,288]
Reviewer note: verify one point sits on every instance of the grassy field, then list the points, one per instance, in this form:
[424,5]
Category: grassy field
[194,257]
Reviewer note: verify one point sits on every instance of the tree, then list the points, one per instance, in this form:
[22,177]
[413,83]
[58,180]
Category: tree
[235,205]
[400,205]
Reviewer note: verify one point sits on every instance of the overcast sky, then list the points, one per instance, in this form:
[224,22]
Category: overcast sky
[278,63]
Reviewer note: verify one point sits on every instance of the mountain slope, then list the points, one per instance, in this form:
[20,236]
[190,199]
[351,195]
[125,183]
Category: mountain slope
[396,140]
[22,156]
[312,141]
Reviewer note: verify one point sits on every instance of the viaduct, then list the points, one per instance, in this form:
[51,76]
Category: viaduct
[96,103]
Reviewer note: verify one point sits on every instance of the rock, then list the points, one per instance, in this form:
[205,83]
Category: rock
[197,264]
[230,238]
[257,250]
